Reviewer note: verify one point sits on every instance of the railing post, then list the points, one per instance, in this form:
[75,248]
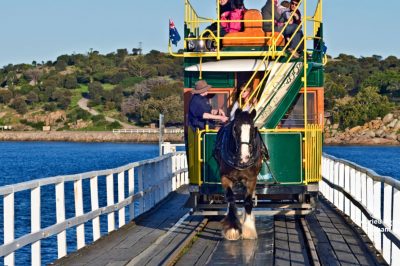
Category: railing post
[396,226]
[8,215]
[187,170]
[377,213]
[347,188]
[173,167]
[131,191]
[60,210]
[364,220]
[110,201]
[121,197]
[387,220]
[80,229]
[165,176]
[35,225]
[341,184]
[330,178]
[140,189]
[370,206]
[357,196]
[94,198]
[336,182]
[157,169]
[352,193]
[177,168]
[322,184]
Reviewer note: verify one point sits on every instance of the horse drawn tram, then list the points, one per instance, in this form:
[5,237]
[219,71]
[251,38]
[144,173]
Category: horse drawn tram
[285,80]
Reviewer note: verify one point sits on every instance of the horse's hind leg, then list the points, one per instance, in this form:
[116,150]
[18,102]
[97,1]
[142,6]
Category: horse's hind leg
[231,227]
[248,223]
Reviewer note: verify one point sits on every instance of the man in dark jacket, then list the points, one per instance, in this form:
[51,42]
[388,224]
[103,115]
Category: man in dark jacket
[200,109]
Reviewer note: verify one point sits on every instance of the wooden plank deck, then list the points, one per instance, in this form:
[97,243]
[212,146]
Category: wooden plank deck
[282,241]
[151,241]
[149,233]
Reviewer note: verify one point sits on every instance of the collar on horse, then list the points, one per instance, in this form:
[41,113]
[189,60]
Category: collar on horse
[227,146]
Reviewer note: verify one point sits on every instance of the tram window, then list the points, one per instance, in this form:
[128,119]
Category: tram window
[295,115]
[219,101]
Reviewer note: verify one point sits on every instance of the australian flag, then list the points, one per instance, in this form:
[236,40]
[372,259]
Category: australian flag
[173,33]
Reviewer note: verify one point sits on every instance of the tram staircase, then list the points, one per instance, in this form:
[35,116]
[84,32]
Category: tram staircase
[285,77]
[278,88]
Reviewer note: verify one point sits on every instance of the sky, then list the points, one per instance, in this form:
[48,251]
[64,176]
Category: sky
[41,30]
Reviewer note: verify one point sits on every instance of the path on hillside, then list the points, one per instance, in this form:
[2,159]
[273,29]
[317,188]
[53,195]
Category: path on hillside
[83,104]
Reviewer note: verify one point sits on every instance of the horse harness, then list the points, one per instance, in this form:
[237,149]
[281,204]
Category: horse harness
[224,146]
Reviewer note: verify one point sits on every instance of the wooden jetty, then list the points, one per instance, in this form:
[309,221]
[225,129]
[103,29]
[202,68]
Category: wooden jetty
[356,222]
[163,237]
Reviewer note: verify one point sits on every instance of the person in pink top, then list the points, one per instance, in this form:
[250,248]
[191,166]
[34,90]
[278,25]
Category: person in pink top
[236,13]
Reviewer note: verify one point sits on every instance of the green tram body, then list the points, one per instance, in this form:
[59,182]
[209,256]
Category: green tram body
[295,145]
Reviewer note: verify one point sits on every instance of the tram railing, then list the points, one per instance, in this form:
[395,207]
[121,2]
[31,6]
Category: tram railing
[371,201]
[195,24]
[155,179]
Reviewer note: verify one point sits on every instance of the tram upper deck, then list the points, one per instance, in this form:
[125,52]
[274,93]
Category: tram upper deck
[253,41]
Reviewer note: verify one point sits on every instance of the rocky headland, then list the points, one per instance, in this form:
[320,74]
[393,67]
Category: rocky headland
[380,131]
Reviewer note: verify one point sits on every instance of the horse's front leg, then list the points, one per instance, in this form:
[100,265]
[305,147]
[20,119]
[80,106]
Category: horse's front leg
[231,227]
[248,221]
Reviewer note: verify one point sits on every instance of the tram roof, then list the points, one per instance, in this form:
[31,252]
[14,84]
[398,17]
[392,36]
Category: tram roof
[233,65]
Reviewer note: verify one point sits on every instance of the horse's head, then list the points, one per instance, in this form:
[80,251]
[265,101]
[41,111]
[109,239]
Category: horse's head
[244,132]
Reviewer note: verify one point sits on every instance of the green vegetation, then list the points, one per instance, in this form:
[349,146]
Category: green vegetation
[358,90]
[136,88]
[115,83]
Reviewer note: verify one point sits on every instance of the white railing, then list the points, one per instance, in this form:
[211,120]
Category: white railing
[155,178]
[168,147]
[148,130]
[370,200]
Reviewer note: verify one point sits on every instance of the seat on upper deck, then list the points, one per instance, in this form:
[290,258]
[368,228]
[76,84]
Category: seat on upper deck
[252,28]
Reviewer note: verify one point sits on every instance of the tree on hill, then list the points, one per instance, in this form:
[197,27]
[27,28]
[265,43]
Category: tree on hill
[95,92]
[5,96]
[365,106]
[19,105]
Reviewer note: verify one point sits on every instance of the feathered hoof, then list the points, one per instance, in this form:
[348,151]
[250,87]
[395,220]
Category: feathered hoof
[231,228]
[249,233]
[249,227]
[231,234]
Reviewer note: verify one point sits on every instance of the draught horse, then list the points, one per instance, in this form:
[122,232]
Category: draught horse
[239,150]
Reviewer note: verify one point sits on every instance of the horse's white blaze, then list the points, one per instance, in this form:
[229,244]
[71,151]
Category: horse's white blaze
[244,148]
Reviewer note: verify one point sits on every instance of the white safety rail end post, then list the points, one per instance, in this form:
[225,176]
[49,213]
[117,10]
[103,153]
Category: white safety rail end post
[131,192]
[155,179]
[35,225]
[94,199]
[121,197]
[60,213]
[80,229]
[8,215]
[110,202]
[371,201]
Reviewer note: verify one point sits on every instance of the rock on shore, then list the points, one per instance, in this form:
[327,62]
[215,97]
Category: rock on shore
[85,136]
[380,131]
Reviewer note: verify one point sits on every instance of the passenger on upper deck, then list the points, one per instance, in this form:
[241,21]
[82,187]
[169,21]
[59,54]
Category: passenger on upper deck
[229,10]
[284,11]
[224,6]
[236,13]
[289,30]
[200,110]
[297,14]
